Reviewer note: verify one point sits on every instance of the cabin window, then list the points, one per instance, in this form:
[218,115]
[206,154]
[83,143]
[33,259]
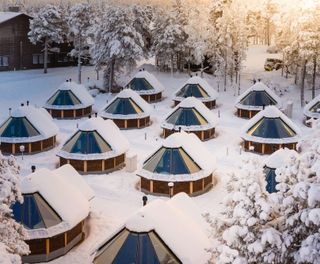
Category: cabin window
[4,61]
[37,58]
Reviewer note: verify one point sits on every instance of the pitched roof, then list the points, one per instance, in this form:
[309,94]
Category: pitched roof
[109,133]
[126,105]
[191,84]
[257,95]
[78,97]
[71,203]
[40,120]
[177,222]
[311,109]
[157,87]
[193,148]
[272,116]
[193,124]
[5,16]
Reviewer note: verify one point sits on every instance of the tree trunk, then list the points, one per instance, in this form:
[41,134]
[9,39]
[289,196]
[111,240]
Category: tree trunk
[171,65]
[201,73]
[79,59]
[111,77]
[297,75]
[97,72]
[45,57]
[303,77]
[314,77]
[225,70]
[282,68]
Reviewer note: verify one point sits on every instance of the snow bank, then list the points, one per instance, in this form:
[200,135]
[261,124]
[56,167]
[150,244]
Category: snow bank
[192,102]
[178,223]
[157,86]
[280,157]
[258,86]
[79,91]
[270,112]
[108,130]
[213,94]
[307,108]
[39,118]
[128,93]
[197,151]
[67,200]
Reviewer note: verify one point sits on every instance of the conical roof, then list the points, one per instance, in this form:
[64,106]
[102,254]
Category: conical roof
[271,126]
[96,138]
[190,114]
[126,105]
[312,109]
[181,157]
[43,209]
[196,87]
[28,124]
[69,95]
[257,97]
[160,232]
[145,83]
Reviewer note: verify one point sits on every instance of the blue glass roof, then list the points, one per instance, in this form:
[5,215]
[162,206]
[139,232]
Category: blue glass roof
[315,108]
[271,128]
[123,106]
[63,97]
[86,142]
[140,248]
[140,84]
[18,127]
[194,90]
[34,212]
[186,117]
[258,98]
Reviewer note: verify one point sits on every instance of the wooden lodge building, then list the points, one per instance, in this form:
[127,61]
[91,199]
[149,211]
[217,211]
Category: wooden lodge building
[18,53]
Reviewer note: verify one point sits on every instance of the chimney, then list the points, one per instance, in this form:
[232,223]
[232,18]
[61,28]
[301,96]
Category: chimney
[263,106]
[15,9]
[33,168]
[22,104]
[96,114]
[89,116]
[28,102]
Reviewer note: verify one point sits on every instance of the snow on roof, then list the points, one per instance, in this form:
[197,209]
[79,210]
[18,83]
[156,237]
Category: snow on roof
[178,223]
[128,93]
[65,198]
[279,158]
[258,86]
[68,173]
[109,131]
[270,112]
[213,94]
[307,108]
[5,16]
[39,118]
[195,148]
[192,102]
[79,91]
[157,86]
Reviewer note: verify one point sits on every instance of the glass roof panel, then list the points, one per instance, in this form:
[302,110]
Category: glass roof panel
[194,90]
[123,106]
[258,98]
[315,108]
[18,127]
[186,117]
[140,84]
[63,97]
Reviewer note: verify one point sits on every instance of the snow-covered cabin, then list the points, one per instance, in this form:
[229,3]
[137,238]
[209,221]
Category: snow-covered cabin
[255,99]
[183,160]
[128,110]
[54,212]
[70,100]
[97,146]
[160,232]
[147,86]
[191,116]
[312,109]
[273,162]
[270,130]
[199,88]
[30,127]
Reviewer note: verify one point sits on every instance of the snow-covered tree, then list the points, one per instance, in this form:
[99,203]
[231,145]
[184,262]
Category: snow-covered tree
[117,44]
[47,27]
[79,22]
[245,232]
[12,235]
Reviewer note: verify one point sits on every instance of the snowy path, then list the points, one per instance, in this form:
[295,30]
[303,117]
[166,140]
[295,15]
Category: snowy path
[116,193]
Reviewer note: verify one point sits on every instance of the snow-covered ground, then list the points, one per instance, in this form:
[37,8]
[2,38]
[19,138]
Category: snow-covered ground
[117,195]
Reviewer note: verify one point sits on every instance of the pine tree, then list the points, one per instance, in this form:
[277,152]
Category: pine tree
[47,27]
[12,234]
[78,21]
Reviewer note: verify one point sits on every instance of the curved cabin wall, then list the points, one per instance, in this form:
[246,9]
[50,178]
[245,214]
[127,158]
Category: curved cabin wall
[202,135]
[70,113]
